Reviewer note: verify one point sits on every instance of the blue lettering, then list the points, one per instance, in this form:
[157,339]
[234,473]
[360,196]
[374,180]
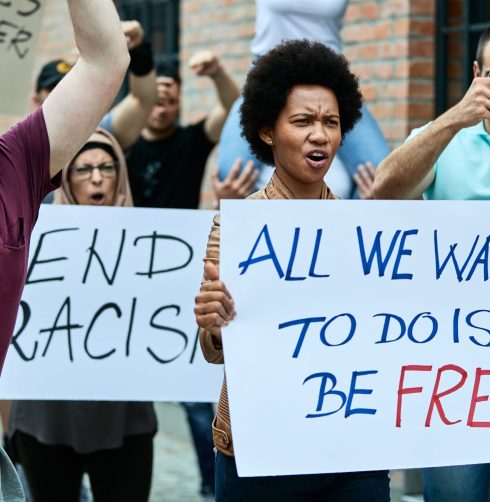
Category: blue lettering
[349,336]
[251,260]
[376,252]
[353,391]
[469,322]
[451,256]
[289,271]
[481,259]
[403,252]
[306,324]
[315,255]
[423,315]
[386,327]
[326,378]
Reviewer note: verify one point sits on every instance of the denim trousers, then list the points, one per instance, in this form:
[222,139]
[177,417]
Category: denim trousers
[372,486]
[459,483]
[365,143]
[200,417]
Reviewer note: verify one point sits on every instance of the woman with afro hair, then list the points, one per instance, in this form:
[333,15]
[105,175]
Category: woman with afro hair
[299,100]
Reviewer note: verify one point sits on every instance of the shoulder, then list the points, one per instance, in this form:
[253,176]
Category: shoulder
[259,195]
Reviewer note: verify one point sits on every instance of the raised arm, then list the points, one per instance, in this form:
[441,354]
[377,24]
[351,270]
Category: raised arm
[75,107]
[409,170]
[206,63]
[130,115]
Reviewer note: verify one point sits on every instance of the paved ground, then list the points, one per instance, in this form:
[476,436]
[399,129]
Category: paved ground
[175,475]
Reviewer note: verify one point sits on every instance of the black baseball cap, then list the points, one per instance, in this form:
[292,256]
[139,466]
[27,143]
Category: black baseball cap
[51,74]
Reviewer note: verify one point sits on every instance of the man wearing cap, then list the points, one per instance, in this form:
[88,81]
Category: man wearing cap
[34,151]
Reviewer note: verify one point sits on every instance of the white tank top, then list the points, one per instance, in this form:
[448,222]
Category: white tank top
[316,20]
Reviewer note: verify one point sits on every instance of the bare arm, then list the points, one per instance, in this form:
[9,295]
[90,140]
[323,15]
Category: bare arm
[206,63]
[75,107]
[409,170]
[130,115]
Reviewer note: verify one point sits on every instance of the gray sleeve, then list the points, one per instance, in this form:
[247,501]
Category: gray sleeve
[106,122]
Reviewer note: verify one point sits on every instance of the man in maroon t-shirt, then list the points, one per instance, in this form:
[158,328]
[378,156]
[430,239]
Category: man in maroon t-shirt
[34,151]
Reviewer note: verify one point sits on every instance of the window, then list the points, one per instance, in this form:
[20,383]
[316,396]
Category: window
[459,25]
[160,20]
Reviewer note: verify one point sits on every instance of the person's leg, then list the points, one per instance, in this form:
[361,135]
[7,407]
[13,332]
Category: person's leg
[232,145]
[200,417]
[365,143]
[456,483]
[122,474]
[231,488]
[54,472]
[368,486]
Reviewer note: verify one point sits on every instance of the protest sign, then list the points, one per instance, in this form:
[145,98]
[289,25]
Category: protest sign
[362,334]
[107,311]
[20,24]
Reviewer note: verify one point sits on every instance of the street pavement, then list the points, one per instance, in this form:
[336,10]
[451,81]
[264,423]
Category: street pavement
[175,471]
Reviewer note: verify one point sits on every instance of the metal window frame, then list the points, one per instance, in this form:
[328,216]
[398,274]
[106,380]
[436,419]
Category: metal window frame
[466,28]
[171,25]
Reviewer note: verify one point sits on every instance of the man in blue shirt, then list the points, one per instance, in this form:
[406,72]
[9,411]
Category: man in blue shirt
[448,158]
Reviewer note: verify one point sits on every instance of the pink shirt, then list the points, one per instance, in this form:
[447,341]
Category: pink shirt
[24,182]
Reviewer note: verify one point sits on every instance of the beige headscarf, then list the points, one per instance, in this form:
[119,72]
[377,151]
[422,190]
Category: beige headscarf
[124,198]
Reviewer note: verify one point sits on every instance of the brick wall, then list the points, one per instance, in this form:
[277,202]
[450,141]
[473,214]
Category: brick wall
[55,41]
[391,46]
[389,42]
[225,27]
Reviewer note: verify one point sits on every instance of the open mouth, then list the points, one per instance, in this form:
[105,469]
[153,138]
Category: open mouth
[97,199]
[317,160]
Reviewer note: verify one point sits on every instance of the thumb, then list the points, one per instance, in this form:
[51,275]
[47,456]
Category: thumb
[211,272]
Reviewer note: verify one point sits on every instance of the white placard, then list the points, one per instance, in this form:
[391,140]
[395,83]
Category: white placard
[20,24]
[380,310]
[107,311]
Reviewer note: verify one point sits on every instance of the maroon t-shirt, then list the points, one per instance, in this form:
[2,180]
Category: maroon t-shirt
[24,182]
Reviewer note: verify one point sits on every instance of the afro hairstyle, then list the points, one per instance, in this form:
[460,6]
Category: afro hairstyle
[272,78]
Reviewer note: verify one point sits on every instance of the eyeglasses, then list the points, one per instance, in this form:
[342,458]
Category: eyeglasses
[84,172]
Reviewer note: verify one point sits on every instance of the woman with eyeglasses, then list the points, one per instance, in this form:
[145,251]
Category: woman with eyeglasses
[57,441]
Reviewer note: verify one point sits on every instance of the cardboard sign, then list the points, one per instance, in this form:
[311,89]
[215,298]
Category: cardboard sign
[362,334]
[107,311]
[20,24]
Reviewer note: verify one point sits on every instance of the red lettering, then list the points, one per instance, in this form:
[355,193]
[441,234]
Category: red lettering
[436,396]
[408,390]
[475,398]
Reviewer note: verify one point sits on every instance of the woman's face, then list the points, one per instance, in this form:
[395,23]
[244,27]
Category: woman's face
[305,139]
[93,187]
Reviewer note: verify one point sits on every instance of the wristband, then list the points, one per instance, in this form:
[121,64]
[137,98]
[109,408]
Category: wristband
[141,62]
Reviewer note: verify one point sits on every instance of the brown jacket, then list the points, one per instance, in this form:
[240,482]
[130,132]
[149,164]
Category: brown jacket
[212,350]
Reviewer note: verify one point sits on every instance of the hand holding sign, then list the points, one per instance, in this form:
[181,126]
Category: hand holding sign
[214,304]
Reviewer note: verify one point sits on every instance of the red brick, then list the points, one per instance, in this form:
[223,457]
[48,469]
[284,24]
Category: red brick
[421,90]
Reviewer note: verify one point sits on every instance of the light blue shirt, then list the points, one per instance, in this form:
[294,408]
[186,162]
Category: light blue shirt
[462,172]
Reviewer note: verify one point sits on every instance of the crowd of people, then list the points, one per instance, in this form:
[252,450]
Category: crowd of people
[297,130]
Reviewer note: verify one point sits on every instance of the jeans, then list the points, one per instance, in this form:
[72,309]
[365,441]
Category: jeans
[364,143]
[373,486]
[460,483]
[200,417]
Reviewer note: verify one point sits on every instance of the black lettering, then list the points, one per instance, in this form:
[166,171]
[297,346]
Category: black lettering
[153,324]
[93,252]
[26,315]
[68,327]
[154,237]
[36,261]
[99,312]
[36,6]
